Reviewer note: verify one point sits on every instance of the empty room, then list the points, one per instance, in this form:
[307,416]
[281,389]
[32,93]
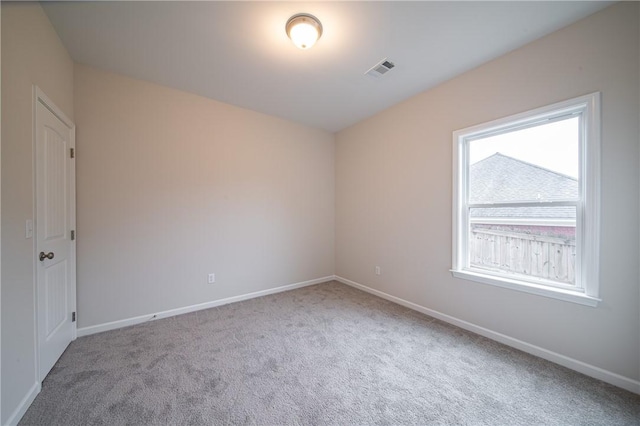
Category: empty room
[283,213]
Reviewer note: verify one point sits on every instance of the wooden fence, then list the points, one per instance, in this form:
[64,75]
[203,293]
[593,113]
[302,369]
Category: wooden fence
[533,255]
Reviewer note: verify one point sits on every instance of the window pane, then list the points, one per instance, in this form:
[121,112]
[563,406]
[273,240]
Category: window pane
[533,242]
[534,164]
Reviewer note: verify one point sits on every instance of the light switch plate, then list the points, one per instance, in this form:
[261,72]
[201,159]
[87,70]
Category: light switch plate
[28,229]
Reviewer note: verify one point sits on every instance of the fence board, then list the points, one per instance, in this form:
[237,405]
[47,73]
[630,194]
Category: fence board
[533,255]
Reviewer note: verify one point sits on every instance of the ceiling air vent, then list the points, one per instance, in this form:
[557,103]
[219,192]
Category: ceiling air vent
[380,69]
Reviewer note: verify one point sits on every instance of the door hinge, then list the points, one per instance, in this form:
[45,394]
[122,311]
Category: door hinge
[73,235]
[73,153]
[73,317]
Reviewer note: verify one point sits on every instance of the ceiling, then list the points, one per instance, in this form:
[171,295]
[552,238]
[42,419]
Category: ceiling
[238,52]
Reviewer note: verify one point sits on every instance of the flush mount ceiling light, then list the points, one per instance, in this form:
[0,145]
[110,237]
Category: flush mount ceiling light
[304,30]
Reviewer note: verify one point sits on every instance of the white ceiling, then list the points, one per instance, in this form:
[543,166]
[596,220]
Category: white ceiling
[238,52]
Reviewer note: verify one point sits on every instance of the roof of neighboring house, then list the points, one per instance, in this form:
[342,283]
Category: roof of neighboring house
[500,178]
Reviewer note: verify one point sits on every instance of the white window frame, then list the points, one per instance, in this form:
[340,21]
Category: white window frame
[586,289]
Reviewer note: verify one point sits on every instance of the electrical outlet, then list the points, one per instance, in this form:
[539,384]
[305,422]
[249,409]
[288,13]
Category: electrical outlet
[212,278]
[378,270]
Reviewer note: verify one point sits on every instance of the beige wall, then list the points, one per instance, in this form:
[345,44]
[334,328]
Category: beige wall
[394,179]
[172,186]
[32,54]
[0,216]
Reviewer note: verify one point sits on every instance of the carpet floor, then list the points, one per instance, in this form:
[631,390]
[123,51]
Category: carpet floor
[324,354]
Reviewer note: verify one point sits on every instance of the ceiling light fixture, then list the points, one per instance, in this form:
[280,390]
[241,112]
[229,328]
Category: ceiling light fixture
[304,30]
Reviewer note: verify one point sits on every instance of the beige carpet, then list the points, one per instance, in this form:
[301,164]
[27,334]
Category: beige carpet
[325,354]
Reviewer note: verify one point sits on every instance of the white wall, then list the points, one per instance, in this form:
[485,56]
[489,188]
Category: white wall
[172,186]
[394,185]
[32,54]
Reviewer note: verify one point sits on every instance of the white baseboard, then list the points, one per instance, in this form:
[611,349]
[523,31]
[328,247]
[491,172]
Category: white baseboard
[99,328]
[579,366]
[24,405]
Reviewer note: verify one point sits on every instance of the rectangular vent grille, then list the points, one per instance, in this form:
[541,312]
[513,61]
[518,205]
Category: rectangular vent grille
[380,69]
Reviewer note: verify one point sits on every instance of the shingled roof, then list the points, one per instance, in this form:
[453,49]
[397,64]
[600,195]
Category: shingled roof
[500,178]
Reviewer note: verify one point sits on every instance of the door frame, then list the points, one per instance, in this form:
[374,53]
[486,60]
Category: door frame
[40,97]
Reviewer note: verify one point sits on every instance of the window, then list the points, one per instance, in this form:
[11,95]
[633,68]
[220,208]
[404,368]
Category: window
[526,201]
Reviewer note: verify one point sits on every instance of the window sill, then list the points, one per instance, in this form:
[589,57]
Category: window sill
[540,290]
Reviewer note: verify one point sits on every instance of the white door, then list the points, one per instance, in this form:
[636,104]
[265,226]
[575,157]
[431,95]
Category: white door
[55,239]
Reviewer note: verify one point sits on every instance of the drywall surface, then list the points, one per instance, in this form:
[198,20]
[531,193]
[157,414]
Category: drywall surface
[394,191]
[0,219]
[32,54]
[173,186]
